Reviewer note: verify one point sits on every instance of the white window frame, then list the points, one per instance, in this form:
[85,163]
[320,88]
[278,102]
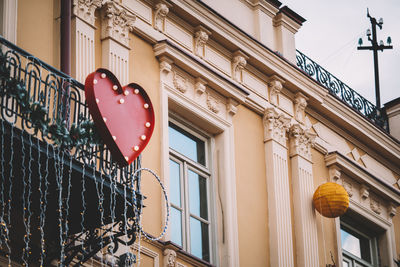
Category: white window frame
[203,170]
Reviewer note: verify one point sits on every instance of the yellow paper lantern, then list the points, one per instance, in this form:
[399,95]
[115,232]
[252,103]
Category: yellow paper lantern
[331,200]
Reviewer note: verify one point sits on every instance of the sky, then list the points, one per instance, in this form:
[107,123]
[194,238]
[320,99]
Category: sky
[330,38]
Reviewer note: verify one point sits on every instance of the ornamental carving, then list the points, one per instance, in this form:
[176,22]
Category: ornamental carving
[334,173]
[161,11]
[213,103]
[364,192]
[275,126]
[301,141]
[238,64]
[84,9]
[392,210]
[275,89]
[300,104]
[375,206]
[348,187]
[169,258]
[200,86]
[116,23]
[180,82]
[200,39]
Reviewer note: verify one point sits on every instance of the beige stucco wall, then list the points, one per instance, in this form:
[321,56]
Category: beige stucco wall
[252,206]
[38,29]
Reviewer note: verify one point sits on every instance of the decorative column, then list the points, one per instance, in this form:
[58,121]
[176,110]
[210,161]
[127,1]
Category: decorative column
[239,61]
[305,225]
[115,26]
[279,218]
[200,39]
[83,29]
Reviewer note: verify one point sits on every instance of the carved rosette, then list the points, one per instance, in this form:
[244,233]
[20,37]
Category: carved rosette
[275,126]
[169,258]
[116,23]
[301,141]
[300,104]
[161,11]
[84,9]
[238,64]
[213,103]
[275,89]
[200,40]
[180,82]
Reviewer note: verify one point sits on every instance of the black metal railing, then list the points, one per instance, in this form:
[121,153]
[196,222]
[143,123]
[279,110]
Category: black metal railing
[63,99]
[342,91]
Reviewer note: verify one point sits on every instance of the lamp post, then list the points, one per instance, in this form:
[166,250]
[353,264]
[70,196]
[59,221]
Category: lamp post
[375,47]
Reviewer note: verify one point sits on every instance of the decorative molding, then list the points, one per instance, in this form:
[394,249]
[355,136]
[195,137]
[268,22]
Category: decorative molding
[165,64]
[148,252]
[392,210]
[161,12]
[364,192]
[300,104]
[169,258]
[231,106]
[275,88]
[239,62]
[200,86]
[375,205]
[200,40]
[275,126]
[334,173]
[116,23]
[84,9]
[213,104]
[180,82]
[301,141]
[348,187]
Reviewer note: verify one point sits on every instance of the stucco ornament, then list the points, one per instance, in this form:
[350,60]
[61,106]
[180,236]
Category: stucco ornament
[213,103]
[159,16]
[85,9]
[117,23]
[238,64]
[275,126]
[169,258]
[180,82]
[200,39]
[275,89]
[300,104]
[301,141]
[375,206]
[349,188]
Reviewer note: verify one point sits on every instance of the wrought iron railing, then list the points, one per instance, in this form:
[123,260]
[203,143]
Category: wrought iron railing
[342,91]
[63,99]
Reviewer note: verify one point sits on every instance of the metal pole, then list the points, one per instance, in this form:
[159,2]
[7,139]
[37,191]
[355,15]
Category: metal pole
[65,38]
[376,68]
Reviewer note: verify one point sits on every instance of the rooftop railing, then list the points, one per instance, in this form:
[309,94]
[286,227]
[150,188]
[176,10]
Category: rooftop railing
[342,91]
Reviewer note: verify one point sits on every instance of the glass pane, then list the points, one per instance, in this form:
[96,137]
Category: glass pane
[345,264]
[199,239]
[186,144]
[176,226]
[356,244]
[198,195]
[175,183]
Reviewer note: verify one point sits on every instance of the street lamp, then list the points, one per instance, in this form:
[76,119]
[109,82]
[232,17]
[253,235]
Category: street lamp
[375,47]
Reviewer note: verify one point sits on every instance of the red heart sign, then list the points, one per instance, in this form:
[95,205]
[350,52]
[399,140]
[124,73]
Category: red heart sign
[123,115]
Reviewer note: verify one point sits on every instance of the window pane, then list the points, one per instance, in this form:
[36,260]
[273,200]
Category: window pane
[186,144]
[176,226]
[356,244]
[199,239]
[345,264]
[198,195]
[175,183]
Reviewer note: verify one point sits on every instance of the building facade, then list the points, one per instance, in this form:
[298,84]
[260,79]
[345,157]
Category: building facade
[246,129]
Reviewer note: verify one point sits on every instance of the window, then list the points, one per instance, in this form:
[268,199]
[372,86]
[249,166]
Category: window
[189,191]
[359,246]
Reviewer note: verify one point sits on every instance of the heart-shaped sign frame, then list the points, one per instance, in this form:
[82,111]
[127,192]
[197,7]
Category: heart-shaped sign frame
[124,116]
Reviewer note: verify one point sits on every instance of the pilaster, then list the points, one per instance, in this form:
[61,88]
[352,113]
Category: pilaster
[280,223]
[305,225]
[115,26]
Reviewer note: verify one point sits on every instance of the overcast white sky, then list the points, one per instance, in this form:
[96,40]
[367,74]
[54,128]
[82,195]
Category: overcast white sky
[330,37]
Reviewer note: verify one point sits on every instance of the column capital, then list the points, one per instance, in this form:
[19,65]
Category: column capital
[116,23]
[301,141]
[275,126]
[84,9]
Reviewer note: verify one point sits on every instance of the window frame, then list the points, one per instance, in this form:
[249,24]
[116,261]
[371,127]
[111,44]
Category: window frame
[186,164]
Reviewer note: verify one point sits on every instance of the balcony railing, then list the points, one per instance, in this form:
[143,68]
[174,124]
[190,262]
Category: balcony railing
[63,99]
[342,91]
